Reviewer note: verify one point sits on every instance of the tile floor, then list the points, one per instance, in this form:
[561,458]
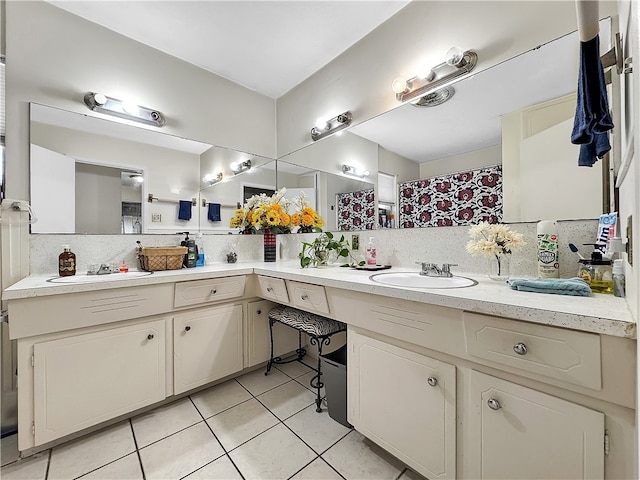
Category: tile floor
[255,426]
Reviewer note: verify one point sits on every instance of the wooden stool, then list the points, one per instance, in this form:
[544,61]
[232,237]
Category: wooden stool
[320,329]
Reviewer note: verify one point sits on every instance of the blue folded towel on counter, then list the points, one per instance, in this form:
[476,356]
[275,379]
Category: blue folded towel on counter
[559,286]
[213,214]
[592,120]
[184,211]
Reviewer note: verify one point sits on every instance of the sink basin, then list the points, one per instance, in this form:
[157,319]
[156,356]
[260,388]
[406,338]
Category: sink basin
[415,280]
[83,278]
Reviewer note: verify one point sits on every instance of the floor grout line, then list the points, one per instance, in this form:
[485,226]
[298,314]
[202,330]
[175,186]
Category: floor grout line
[135,442]
[46,473]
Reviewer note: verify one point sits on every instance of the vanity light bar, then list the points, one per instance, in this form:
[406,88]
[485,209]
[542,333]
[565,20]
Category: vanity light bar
[112,106]
[332,125]
[354,172]
[240,167]
[212,179]
[463,62]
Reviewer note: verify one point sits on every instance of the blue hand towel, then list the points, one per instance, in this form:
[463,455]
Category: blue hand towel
[184,212]
[592,120]
[213,213]
[559,286]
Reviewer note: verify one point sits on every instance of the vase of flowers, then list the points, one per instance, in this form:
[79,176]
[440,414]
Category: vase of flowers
[496,242]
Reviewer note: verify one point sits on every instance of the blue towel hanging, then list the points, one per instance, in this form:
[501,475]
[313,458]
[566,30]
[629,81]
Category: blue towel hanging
[184,212]
[213,213]
[592,120]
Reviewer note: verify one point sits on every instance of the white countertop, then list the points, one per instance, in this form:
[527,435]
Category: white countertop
[604,314]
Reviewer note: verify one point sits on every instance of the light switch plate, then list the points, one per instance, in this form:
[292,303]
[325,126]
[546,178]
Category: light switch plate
[156,217]
[355,242]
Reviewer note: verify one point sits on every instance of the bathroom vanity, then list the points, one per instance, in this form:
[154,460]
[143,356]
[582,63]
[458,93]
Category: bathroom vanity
[478,382]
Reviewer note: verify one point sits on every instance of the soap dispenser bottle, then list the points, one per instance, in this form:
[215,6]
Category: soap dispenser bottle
[200,250]
[191,257]
[597,271]
[66,262]
[371,253]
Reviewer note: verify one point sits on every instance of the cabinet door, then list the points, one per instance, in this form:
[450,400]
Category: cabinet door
[517,432]
[207,345]
[285,339]
[83,380]
[405,402]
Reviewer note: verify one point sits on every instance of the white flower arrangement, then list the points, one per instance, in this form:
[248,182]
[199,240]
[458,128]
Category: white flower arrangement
[493,239]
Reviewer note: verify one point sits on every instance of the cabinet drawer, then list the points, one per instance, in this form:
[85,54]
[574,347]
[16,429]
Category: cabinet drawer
[211,290]
[308,297]
[566,355]
[273,289]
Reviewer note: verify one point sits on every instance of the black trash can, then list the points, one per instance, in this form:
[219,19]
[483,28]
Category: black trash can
[334,376]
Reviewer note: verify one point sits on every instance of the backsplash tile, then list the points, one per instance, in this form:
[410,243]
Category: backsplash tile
[398,247]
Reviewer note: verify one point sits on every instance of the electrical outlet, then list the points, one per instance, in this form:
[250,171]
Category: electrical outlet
[156,217]
[355,242]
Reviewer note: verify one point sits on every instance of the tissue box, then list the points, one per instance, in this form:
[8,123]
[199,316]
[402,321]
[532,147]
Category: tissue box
[152,259]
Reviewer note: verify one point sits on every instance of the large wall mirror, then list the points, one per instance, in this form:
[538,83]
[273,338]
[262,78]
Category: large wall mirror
[517,115]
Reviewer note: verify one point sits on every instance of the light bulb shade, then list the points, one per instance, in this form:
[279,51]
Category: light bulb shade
[354,172]
[240,167]
[212,179]
[399,85]
[334,125]
[99,102]
[454,56]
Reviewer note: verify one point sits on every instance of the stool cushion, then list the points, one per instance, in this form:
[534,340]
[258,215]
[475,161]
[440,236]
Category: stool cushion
[309,323]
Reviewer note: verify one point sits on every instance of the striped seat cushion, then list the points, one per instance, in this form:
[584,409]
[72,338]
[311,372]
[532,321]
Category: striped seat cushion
[309,323]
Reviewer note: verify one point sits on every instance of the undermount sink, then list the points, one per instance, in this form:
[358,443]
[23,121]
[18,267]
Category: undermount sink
[415,280]
[83,278]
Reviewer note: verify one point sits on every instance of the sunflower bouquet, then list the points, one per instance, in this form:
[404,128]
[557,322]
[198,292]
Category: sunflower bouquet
[262,213]
[305,219]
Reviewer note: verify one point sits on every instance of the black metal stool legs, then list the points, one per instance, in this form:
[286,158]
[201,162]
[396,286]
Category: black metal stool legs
[316,382]
[300,352]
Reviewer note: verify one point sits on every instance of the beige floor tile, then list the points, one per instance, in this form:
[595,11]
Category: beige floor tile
[355,457]
[9,449]
[180,454]
[220,469]
[316,470]
[318,430]
[235,426]
[287,399]
[30,468]
[221,397]
[276,453]
[164,421]
[80,456]
[293,369]
[257,382]
[126,468]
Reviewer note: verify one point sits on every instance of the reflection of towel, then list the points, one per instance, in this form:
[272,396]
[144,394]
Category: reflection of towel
[560,286]
[592,120]
[184,213]
[214,212]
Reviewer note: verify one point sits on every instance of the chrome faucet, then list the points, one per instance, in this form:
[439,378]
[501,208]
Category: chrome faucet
[104,269]
[432,270]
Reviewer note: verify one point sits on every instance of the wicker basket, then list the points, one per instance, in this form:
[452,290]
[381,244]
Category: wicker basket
[153,259]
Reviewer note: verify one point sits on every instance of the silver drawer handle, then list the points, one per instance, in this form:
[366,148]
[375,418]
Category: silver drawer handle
[187,328]
[305,297]
[213,291]
[269,289]
[520,348]
[150,336]
[432,381]
[494,404]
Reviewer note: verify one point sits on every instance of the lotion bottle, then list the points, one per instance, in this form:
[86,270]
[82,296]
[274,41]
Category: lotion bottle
[548,261]
[67,262]
[370,253]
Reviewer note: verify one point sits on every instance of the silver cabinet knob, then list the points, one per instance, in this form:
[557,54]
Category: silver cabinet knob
[269,289]
[520,348]
[187,328]
[258,311]
[213,291]
[304,296]
[494,404]
[432,381]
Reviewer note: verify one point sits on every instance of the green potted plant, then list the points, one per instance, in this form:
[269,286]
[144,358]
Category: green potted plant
[324,249]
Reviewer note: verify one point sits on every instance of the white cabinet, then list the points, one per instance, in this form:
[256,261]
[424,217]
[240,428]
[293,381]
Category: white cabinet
[82,380]
[516,432]
[207,345]
[258,350]
[405,402]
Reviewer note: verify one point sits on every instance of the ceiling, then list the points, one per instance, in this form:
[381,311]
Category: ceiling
[266,46]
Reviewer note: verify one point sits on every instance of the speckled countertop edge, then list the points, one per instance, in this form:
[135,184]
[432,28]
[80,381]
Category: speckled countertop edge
[602,314]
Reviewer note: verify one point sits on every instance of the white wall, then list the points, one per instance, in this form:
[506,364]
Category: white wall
[98,199]
[459,163]
[393,164]
[360,79]
[51,59]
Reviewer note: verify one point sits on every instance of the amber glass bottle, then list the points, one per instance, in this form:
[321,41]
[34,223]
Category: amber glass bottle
[67,262]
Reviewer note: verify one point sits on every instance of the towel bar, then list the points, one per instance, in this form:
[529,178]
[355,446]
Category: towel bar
[151,198]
